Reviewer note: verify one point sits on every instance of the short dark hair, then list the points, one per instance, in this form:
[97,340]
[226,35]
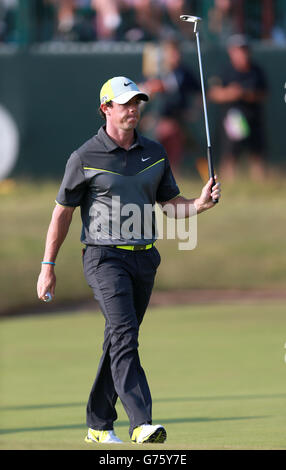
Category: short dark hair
[102,114]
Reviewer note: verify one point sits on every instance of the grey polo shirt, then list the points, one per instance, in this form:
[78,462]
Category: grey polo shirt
[117,189]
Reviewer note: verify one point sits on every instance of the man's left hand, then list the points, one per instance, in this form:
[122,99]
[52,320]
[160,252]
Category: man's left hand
[210,192]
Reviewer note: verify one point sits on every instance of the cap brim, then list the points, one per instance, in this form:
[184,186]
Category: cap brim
[125,97]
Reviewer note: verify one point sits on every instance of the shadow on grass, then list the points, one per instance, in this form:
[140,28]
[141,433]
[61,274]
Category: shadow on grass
[42,406]
[126,423]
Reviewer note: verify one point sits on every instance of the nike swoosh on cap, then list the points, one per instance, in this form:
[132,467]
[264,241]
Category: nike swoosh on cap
[128,83]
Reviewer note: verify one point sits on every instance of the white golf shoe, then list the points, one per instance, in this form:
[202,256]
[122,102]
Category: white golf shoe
[102,437]
[149,433]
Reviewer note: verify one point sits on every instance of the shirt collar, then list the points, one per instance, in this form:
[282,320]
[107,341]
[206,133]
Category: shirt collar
[110,145]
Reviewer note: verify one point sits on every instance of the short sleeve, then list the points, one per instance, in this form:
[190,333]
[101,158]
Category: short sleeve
[226,77]
[261,82]
[168,188]
[190,83]
[73,186]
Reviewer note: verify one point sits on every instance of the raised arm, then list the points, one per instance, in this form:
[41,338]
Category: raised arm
[57,232]
[187,207]
[235,92]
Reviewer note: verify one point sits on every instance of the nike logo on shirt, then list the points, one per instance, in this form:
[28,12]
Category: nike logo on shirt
[144,159]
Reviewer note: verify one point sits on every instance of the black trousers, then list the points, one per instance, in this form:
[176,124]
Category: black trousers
[122,282]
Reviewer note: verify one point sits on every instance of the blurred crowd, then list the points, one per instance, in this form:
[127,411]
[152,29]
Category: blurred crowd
[237,92]
[26,21]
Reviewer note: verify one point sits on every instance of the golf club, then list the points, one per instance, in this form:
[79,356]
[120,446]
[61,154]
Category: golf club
[196,20]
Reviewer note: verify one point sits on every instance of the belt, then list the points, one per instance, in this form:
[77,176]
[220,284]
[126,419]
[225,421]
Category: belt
[133,247]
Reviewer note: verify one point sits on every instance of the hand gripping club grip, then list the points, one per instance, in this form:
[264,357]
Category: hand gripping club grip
[211,169]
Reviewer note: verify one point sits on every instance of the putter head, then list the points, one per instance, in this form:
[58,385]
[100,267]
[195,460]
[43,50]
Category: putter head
[190,19]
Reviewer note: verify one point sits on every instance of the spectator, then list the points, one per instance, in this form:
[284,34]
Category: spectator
[65,15]
[155,19]
[240,91]
[172,10]
[8,9]
[75,20]
[278,32]
[222,21]
[175,84]
[108,18]
[142,19]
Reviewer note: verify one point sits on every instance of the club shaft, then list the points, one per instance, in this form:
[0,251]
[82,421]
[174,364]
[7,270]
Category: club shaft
[209,149]
[203,90]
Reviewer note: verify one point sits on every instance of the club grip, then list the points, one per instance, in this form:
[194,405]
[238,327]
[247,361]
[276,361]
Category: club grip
[211,169]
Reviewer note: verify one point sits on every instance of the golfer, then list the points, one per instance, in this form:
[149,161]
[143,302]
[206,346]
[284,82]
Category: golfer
[113,171]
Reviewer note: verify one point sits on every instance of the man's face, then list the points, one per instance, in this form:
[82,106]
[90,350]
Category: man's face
[171,57]
[239,57]
[123,116]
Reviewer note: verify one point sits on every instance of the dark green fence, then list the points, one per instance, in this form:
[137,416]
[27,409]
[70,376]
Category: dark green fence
[52,93]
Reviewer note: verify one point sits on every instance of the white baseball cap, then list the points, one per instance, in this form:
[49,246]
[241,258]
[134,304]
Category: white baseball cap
[121,90]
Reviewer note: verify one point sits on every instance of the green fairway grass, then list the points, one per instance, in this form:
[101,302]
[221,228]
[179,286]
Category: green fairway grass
[241,243]
[217,376]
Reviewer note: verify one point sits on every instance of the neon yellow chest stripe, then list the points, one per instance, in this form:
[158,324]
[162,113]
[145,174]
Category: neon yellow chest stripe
[147,168]
[101,169]
[114,173]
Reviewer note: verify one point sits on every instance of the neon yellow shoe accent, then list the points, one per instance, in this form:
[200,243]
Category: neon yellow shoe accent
[149,433]
[136,434]
[102,437]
